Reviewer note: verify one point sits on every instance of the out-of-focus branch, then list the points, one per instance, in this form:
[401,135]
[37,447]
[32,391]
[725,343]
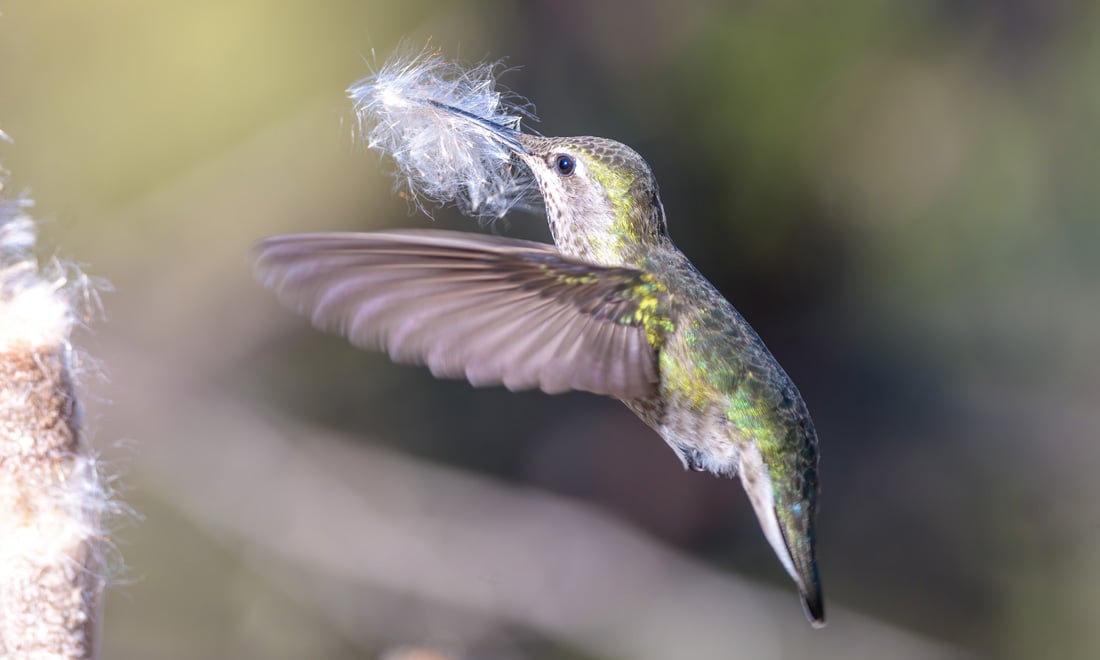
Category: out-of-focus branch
[50,496]
[317,504]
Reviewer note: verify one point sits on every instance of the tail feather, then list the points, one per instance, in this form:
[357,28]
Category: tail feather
[793,542]
[812,601]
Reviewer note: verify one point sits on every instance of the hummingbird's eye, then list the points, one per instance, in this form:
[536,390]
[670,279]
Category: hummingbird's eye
[565,165]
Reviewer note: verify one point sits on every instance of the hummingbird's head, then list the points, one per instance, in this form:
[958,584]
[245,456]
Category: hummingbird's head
[600,195]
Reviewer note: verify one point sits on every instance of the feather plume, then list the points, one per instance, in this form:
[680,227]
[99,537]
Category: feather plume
[432,117]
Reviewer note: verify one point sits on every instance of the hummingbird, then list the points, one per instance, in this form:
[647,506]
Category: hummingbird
[612,308]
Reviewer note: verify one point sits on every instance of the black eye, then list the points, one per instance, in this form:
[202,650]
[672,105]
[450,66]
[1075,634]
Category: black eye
[565,165]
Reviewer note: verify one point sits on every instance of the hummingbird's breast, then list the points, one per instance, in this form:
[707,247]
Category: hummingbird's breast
[720,386]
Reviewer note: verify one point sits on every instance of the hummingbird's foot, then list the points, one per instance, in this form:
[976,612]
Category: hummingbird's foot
[696,462]
[693,459]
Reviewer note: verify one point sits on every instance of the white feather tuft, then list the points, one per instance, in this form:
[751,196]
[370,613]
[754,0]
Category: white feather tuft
[17,230]
[441,155]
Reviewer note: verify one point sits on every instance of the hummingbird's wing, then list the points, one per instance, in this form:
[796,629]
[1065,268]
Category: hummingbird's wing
[485,308]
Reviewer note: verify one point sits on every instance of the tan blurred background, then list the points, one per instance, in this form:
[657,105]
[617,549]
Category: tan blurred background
[901,197]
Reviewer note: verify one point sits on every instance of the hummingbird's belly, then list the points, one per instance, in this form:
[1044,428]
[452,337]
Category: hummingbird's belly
[702,439]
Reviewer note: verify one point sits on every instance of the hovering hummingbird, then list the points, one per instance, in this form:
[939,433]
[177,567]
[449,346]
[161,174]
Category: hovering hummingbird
[614,309]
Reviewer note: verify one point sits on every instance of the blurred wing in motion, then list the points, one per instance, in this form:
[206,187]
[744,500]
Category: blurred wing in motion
[488,309]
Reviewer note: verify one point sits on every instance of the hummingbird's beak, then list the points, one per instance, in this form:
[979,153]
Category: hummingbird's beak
[510,137]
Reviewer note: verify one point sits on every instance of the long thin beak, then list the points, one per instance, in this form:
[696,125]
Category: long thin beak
[509,136]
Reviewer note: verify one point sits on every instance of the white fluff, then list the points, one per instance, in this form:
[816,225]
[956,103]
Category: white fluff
[32,311]
[442,156]
[17,231]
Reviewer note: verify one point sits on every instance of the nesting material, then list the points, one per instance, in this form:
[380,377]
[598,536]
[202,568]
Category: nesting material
[407,111]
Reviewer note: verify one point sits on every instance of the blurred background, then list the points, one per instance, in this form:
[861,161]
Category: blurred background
[901,198]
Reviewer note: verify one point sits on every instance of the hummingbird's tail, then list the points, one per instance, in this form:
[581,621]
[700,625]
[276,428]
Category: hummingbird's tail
[796,553]
[788,526]
[812,601]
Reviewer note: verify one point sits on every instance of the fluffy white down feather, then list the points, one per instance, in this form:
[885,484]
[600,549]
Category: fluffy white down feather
[441,156]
